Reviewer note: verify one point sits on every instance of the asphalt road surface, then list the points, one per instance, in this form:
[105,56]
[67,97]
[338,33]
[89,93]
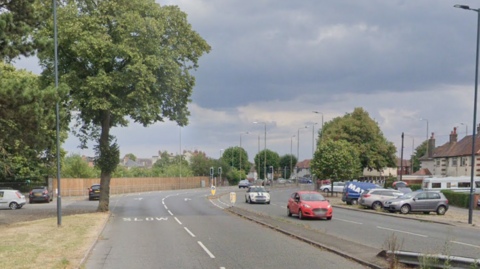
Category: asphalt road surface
[184,229]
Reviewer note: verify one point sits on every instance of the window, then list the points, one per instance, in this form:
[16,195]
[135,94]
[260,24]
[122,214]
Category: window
[454,161]
[477,184]
[436,185]
[438,162]
[449,185]
[433,195]
[422,196]
[1,194]
[463,161]
[464,184]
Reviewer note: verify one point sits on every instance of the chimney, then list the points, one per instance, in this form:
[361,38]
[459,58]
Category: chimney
[453,136]
[125,159]
[431,146]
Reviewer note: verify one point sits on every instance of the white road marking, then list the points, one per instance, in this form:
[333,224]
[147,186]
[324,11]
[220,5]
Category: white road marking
[349,221]
[186,229]
[206,250]
[165,207]
[163,202]
[401,231]
[170,212]
[177,220]
[283,206]
[475,246]
[216,204]
[274,204]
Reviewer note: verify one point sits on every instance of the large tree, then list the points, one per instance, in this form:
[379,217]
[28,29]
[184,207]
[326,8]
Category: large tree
[17,21]
[272,160]
[288,161]
[236,156]
[420,151]
[121,58]
[27,124]
[365,136]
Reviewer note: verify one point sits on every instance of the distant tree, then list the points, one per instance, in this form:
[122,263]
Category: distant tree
[163,161]
[234,176]
[365,136]
[286,161]
[420,151]
[131,157]
[75,167]
[232,156]
[200,165]
[120,59]
[336,161]
[272,160]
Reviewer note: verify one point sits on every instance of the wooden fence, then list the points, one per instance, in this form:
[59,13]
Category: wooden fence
[79,186]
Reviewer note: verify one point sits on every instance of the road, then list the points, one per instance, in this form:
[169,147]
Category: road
[375,230]
[184,229]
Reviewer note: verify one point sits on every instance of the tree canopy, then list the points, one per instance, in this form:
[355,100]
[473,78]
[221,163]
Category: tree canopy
[272,160]
[364,134]
[289,161]
[120,59]
[236,155]
[420,151]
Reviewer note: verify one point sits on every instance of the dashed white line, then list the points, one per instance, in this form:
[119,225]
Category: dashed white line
[170,212]
[165,207]
[188,231]
[177,220]
[456,242]
[401,231]
[349,221]
[206,250]
[283,206]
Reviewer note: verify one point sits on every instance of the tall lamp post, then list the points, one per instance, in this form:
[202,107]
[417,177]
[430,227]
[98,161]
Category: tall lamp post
[466,127]
[298,150]
[413,150]
[180,152]
[316,112]
[59,196]
[470,208]
[427,132]
[265,151]
[291,154]
[240,150]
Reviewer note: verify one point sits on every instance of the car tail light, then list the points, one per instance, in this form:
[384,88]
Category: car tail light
[18,195]
[90,190]
[446,202]
[46,192]
[366,195]
[31,192]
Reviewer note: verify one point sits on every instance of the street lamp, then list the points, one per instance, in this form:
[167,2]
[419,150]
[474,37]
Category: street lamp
[240,150]
[316,112]
[466,127]
[265,150]
[413,150]
[291,154]
[298,149]
[427,133]
[57,113]
[470,208]
[313,139]
[180,166]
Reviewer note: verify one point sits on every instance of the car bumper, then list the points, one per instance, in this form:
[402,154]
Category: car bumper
[317,212]
[94,196]
[40,198]
[392,207]
[260,200]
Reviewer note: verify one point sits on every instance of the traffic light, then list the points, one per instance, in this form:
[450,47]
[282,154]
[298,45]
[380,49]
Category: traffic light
[271,170]
[220,170]
[211,171]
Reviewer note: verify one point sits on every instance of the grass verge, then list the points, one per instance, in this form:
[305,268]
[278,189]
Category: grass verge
[42,244]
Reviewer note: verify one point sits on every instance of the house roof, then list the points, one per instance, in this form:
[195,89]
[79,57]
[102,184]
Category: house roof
[130,163]
[460,148]
[406,163]
[423,172]
[304,164]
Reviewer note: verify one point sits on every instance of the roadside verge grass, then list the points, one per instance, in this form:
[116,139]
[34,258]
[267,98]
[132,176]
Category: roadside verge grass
[42,244]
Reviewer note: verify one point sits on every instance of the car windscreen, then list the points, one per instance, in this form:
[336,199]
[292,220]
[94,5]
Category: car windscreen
[257,190]
[95,187]
[312,197]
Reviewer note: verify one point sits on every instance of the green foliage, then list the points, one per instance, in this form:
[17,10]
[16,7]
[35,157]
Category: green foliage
[289,161]
[272,160]
[234,176]
[336,160]
[363,133]
[17,21]
[389,181]
[107,156]
[75,167]
[233,155]
[131,157]
[459,199]
[200,165]
[415,187]
[163,161]
[420,151]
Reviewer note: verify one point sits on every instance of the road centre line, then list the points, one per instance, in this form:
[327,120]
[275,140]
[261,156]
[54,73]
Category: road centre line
[349,221]
[170,212]
[456,242]
[177,220]
[188,231]
[401,231]
[206,250]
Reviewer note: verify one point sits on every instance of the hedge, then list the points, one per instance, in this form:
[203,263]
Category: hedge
[415,187]
[460,199]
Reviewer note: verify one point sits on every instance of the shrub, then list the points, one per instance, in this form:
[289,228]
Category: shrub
[460,199]
[415,187]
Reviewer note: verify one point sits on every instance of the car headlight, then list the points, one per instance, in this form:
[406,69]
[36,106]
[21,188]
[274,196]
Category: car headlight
[307,206]
[329,206]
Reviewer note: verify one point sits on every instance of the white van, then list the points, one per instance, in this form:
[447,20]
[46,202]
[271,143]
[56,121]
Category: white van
[12,199]
[457,184]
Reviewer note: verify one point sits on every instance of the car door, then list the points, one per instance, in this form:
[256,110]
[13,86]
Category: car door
[420,202]
[433,201]
[296,203]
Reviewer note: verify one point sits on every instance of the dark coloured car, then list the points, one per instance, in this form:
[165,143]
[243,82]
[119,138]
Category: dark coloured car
[40,194]
[94,192]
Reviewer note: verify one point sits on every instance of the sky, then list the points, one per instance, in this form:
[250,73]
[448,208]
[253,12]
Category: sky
[276,61]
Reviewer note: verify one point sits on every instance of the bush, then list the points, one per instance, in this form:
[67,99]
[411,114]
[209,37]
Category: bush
[459,199]
[415,187]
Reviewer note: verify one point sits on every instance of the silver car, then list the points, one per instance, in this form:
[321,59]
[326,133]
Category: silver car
[375,198]
[337,187]
[419,201]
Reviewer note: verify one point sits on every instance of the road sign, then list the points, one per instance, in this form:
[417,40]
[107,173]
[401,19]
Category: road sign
[213,190]
[233,197]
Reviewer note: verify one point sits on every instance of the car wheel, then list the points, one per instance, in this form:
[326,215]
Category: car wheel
[329,218]
[325,190]
[300,214]
[250,200]
[19,206]
[288,212]
[441,210]
[354,202]
[246,200]
[405,209]
[377,206]
[13,205]
[268,202]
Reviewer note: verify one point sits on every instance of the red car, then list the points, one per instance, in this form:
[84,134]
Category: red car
[309,204]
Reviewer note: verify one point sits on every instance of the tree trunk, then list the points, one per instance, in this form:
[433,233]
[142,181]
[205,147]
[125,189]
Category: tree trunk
[105,176]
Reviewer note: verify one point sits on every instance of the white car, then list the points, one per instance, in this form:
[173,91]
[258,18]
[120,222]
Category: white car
[257,194]
[12,199]
[337,187]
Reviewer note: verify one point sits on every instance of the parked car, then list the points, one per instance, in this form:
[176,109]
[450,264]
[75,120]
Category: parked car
[257,194]
[374,198]
[309,204]
[94,192]
[420,201]
[399,184]
[40,194]
[337,187]
[353,189]
[304,180]
[269,182]
[281,181]
[244,183]
[12,199]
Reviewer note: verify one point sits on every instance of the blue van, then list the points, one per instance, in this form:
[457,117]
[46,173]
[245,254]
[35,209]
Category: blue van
[353,190]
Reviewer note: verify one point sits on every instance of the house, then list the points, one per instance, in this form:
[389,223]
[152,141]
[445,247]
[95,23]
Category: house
[403,168]
[188,154]
[452,159]
[129,164]
[302,169]
[89,160]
